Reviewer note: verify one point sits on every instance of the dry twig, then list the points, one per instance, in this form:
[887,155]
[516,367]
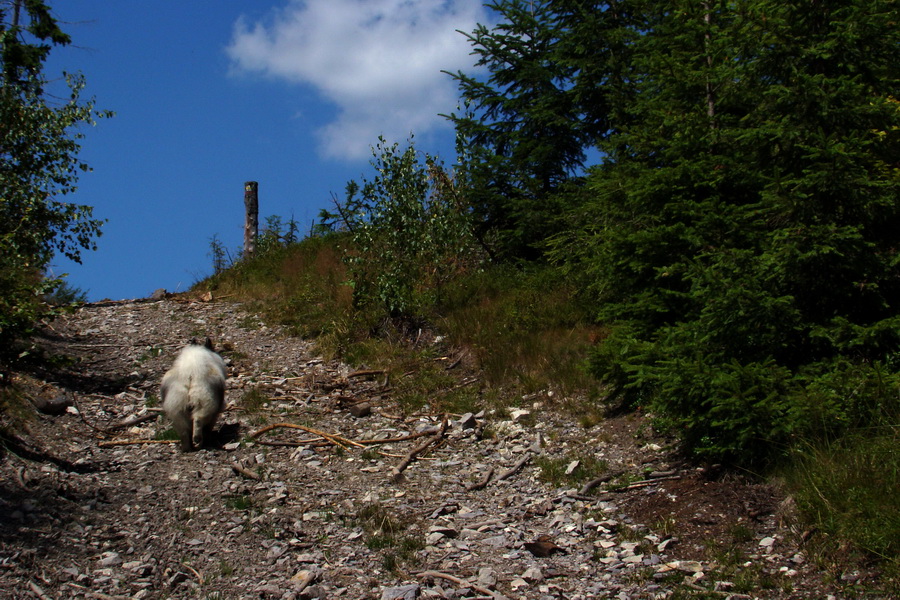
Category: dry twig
[135,420]
[460,582]
[242,470]
[334,439]
[397,472]
[587,487]
[515,468]
[481,483]
[402,438]
[365,373]
[134,442]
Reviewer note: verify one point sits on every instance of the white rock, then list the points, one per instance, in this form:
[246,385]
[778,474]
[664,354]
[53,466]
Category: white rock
[487,577]
[110,559]
[517,414]
[517,583]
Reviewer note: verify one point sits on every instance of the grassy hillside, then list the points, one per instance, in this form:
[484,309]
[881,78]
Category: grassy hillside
[519,330]
[511,331]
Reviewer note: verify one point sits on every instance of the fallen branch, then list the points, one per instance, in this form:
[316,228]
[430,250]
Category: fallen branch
[134,442]
[195,572]
[482,483]
[397,472]
[587,487]
[92,594]
[460,582]
[315,443]
[403,438]
[365,373]
[334,439]
[135,420]
[242,470]
[84,419]
[465,383]
[644,483]
[515,468]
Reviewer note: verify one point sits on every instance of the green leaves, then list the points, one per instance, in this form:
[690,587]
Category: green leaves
[39,144]
[411,230]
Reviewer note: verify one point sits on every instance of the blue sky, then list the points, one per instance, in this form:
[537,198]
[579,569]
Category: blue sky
[210,94]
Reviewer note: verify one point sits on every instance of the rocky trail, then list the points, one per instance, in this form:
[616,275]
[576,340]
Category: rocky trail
[319,487]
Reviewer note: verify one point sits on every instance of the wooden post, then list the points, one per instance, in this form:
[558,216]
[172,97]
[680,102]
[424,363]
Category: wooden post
[251,221]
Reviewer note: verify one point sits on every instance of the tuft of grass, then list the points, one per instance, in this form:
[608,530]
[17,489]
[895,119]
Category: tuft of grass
[253,400]
[553,470]
[387,533]
[523,326]
[226,569]
[166,434]
[522,330]
[302,286]
[15,406]
[378,520]
[847,489]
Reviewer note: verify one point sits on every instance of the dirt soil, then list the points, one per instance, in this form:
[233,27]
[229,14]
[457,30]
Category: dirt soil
[93,505]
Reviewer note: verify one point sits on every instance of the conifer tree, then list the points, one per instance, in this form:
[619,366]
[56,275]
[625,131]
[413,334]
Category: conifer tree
[742,243]
[522,127]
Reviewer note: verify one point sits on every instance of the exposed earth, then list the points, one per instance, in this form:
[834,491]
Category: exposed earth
[94,505]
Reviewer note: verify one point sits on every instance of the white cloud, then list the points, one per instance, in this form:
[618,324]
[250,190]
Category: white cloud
[379,61]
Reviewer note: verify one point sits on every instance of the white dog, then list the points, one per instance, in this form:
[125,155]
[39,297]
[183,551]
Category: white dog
[193,393]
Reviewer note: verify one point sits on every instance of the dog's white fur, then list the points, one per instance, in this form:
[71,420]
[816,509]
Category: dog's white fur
[193,393]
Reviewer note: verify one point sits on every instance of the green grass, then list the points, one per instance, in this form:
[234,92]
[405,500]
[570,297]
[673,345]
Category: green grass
[253,400]
[240,502]
[553,470]
[166,435]
[387,533]
[848,490]
[524,330]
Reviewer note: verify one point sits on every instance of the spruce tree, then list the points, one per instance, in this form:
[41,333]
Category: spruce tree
[522,126]
[742,242]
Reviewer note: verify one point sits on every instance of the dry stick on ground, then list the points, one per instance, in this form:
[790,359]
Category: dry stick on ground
[134,442]
[402,438]
[134,420]
[242,470]
[645,483]
[460,582]
[397,472]
[587,487]
[365,373]
[334,439]
[195,572]
[315,443]
[515,468]
[83,418]
[482,483]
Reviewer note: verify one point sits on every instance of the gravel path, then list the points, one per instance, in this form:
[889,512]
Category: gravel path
[90,509]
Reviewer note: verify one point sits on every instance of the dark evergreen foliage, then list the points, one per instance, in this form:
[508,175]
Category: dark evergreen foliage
[748,242]
[739,236]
